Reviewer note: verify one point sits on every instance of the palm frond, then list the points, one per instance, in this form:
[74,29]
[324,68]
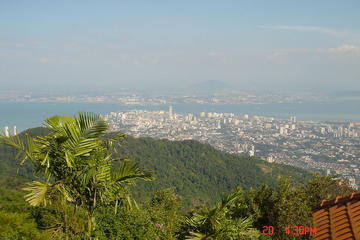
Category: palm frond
[85,146]
[85,120]
[97,129]
[118,136]
[64,192]
[196,236]
[25,151]
[57,122]
[69,158]
[131,203]
[127,172]
[82,133]
[104,173]
[37,193]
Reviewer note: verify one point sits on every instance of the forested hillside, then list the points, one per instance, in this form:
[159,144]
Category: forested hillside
[197,171]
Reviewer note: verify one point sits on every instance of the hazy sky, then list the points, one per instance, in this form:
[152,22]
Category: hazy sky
[275,45]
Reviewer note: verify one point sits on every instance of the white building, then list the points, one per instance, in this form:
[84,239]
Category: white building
[270,159]
[283,131]
[6,131]
[170,112]
[252,151]
[293,119]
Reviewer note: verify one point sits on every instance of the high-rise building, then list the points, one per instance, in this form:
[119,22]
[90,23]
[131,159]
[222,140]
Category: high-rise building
[170,112]
[14,131]
[341,131]
[293,119]
[252,151]
[323,131]
[6,131]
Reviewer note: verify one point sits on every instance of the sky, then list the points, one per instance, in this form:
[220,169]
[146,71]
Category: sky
[278,45]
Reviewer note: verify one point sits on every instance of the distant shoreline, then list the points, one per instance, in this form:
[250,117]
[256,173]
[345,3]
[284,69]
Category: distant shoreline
[31,114]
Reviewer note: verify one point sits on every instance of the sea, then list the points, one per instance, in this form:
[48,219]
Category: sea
[26,115]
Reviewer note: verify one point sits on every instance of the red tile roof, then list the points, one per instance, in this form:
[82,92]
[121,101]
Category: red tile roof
[338,219]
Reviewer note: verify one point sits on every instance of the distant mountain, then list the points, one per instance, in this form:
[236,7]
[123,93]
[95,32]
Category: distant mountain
[195,170]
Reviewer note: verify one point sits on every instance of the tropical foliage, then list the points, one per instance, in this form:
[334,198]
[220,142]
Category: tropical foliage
[74,164]
[226,220]
[83,183]
[197,171]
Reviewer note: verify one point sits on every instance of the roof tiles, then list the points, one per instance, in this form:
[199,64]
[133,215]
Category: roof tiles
[338,219]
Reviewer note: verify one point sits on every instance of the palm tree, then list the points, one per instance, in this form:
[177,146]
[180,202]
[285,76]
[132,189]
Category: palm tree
[221,221]
[75,164]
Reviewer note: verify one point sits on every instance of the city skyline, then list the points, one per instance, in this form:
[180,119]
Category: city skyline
[314,146]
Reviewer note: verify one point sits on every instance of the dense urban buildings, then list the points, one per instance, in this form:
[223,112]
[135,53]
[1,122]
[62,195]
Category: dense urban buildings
[329,147]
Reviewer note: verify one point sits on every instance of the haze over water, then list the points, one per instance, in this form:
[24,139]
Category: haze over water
[31,114]
[303,46]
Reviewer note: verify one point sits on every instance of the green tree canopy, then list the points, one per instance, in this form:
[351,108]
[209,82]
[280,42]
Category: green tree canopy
[74,165]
